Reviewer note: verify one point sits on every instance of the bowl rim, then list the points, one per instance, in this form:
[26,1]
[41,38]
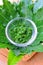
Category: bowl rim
[33,37]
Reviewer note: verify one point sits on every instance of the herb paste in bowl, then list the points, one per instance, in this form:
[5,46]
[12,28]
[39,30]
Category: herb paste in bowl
[21,31]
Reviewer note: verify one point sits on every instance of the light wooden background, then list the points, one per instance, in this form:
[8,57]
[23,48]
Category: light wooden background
[9,0]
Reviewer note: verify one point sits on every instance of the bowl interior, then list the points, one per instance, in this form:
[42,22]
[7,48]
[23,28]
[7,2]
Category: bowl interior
[20,22]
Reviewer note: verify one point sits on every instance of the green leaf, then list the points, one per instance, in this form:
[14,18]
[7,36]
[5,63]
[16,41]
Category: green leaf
[37,48]
[38,19]
[27,2]
[13,59]
[11,9]
[5,17]
[39,15]
[17,52]
[38,4]
[3,45]
[26,9]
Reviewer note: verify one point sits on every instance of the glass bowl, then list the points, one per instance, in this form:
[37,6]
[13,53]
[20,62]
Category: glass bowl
[21,19]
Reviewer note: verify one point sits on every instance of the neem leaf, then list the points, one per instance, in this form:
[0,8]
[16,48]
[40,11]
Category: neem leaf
[38,48]
[13,59]
[17,52]
[2,45]
[3,22]
[27,2]
[27,9]
[38,4]
[38,19]
[5,17]
[10,8]
[39,15]
[24,8]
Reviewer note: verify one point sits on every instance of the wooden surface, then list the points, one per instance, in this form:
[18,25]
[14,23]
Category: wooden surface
[37,59]
[3,56]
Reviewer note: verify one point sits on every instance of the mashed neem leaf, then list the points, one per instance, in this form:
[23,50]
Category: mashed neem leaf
[20,32]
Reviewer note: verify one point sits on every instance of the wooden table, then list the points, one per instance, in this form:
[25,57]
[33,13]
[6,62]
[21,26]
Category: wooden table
[37,59]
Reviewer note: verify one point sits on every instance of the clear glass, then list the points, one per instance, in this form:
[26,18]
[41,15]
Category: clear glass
[27,22]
